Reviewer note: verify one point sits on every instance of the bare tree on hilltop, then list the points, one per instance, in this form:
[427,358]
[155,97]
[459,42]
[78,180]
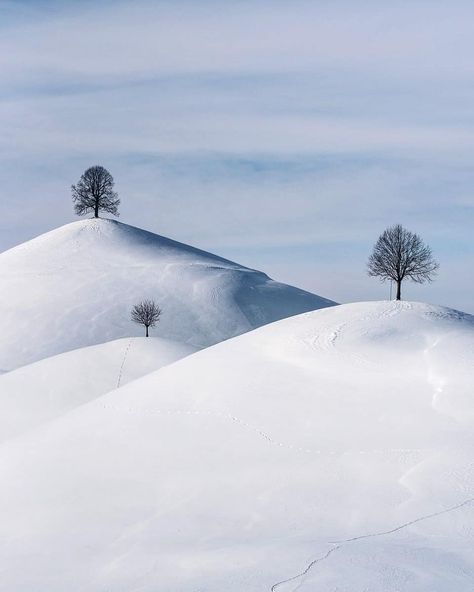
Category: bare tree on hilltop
[94,192]
[146,313]
[399,254]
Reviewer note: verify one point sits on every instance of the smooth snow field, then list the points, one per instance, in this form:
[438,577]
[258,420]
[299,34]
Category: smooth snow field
[75,286]
[67,380]
[329,451]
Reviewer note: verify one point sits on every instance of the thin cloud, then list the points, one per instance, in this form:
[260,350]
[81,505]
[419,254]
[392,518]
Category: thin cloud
[248,127]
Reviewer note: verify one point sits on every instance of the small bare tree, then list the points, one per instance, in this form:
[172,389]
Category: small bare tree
[94,192]
[146,313]
[399,254]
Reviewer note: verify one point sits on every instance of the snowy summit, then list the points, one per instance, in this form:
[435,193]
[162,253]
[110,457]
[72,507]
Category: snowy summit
[75,286]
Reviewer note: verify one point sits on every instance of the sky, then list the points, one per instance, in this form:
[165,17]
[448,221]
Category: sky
[283,135]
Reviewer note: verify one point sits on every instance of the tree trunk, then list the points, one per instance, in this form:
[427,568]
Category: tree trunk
[96,211]
[146,327]
[399,290]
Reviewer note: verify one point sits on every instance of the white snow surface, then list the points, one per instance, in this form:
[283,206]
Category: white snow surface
[75,286]
[68,380]
[328,451]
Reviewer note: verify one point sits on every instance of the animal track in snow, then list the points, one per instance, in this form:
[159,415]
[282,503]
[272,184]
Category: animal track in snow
[127,349]
[256,430]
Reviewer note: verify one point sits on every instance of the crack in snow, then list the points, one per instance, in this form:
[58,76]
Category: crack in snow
[406,524]
[308,568]
[339,544]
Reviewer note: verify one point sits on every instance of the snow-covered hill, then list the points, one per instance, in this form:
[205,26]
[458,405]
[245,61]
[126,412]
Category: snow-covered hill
[328,451]
[39,392]
[75,286]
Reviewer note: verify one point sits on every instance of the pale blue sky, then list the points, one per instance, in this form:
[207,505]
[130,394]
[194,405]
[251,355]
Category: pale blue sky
[283,135]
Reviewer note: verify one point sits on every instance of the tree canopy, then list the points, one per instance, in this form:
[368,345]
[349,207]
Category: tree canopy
[399,254]
[94,192]
[146,313]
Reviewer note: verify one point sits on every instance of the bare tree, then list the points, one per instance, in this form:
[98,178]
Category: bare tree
[399,254]
[95,192]
[146,313]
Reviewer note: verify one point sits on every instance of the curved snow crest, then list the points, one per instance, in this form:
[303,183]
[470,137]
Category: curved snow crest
[75,286]
[395,323]
[40,392]
[117,233]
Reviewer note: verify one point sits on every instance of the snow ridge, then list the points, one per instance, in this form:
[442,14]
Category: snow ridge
[75,286]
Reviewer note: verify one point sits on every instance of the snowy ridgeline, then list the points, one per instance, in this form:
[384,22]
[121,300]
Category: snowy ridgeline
[75,286]
[328,451]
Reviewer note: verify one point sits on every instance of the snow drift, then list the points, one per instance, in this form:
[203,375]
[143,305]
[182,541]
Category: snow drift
[328,451]
[75,286]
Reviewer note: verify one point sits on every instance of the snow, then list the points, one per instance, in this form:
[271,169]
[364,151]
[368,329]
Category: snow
[327,451]
[39,392]
[75,286]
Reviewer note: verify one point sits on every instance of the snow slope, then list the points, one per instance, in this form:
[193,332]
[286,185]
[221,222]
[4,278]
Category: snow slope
[328,451]
[75,286]
[39,392]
